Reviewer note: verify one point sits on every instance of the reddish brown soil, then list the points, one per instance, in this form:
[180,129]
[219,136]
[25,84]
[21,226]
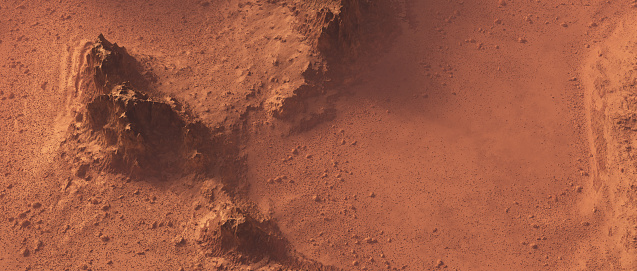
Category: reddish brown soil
[317,135]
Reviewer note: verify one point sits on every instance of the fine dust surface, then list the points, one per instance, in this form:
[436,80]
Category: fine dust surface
[464,146]
[483,135]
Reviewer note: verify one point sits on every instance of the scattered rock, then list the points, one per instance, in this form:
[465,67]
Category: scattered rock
[80,172]
[25,224]
[37,245]
[179,241]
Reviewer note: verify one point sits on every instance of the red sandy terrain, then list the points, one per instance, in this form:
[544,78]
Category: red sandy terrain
[318,135]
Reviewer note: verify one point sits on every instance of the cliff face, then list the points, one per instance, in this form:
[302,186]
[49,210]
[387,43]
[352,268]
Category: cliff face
[127,124]
[340,32]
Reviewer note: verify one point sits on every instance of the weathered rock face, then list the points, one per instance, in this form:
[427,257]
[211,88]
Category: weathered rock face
[129,130]
[139,133]
[230,230]
[108,65]
[340,32]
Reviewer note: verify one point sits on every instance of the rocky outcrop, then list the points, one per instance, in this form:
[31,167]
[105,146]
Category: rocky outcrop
[340,33]
[129,130]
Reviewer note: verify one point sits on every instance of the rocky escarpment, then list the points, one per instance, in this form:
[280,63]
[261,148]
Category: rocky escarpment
[123,131]
[340,33]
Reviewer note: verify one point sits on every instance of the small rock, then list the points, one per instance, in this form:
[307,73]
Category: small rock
[37,245]
[316,198]
[585,224]
[25,224]
[572,79]
[370,240]
[180,241]
[439,263]
[36,205]
[593,24]
[564,25]
[25,252]
[355,263]
[105,238]
[502,3]
[533,245]
[497,21]
[522,40]
[578,189]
